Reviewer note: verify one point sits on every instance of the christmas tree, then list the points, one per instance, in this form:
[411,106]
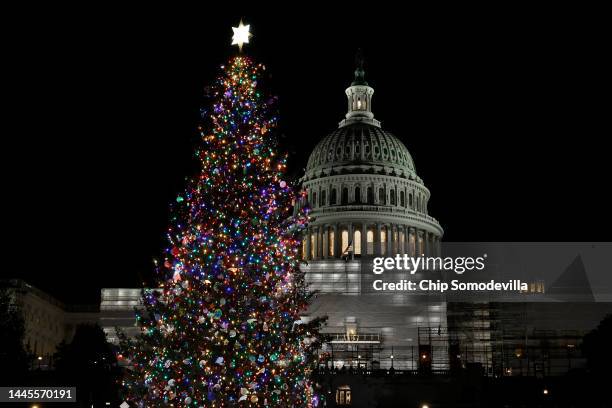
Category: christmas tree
[223,328]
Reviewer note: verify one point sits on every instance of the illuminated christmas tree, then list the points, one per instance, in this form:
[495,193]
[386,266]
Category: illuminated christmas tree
[223,329]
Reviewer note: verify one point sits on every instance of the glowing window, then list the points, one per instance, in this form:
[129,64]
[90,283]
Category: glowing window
[383,240]
[370,239]
[357,242]
[331,242]
[345,240]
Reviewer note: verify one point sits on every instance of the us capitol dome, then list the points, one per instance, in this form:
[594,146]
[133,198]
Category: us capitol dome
[363,190]
[366,200]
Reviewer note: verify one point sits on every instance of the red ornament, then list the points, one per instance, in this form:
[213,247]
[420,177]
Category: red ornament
[175,251]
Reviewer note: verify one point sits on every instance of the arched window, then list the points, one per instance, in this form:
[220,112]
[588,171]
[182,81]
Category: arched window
[383,240]
[381,196]
[332,199]
[331,242]
[314,199]
[357,242]
[410,200]
[357,194]
[344,195]
[411,243]
[345,240]
[370,241]
[402,199]
[370,195]
[323,197]
[392,196]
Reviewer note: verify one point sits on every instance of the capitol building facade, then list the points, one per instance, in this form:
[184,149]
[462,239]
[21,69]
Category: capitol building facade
[366,200]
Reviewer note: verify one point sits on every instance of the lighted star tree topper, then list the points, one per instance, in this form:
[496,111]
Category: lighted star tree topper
[242,35]
[223,328]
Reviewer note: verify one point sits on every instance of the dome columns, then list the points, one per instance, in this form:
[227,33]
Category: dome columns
[330,241]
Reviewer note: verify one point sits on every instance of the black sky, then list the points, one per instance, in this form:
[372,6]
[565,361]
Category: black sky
[503,116]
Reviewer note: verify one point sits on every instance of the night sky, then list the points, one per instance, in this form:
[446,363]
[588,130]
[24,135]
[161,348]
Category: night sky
[503,117]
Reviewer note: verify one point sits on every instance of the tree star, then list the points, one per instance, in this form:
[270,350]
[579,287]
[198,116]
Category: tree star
[241,35]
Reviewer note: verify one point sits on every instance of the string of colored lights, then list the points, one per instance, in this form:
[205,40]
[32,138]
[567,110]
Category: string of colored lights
[223,328]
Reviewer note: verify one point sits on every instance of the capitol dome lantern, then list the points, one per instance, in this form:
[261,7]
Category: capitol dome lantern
[363,190]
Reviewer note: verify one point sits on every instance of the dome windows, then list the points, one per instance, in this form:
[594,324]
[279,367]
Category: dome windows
[382,196]
[345,195]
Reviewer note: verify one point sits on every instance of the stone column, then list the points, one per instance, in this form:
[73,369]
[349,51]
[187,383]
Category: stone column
[419,237]
[325,241]
[307,238]
[364,239]
[411,247]
[377,245]
[337,241]
[351,237]
[315,244]
[321,235]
